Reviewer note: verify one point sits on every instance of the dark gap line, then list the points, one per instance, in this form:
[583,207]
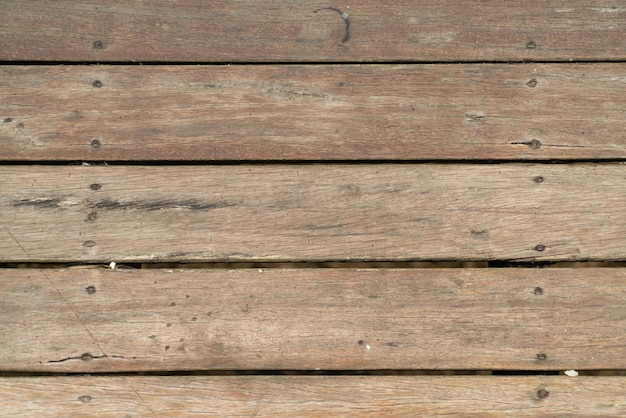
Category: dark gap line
[338,264]
[309,63]
[380,372]
[158,163]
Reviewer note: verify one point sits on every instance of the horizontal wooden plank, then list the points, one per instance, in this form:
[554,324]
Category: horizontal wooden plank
[313,212]
[423,112]
[329,319]
[299,30]
[271,396]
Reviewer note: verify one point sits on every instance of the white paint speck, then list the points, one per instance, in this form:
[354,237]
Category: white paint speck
[345,16]
[368,347]
[571,373]
[112,265]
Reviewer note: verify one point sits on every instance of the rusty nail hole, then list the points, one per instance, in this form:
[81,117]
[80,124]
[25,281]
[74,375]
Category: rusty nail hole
[541,356]
[89,244]
[85,398]
[7,120]
[90,290]
[538,291]
[532,82]
[92,216]
[194,318]
[95,186]
[531,45]
[98,45]
[97,84]
[538,179]
[152,337]
[167,347]
[540,247]
[534,144]
[360,342]
[86,357]
[95,144]
[173,304]
[542,394]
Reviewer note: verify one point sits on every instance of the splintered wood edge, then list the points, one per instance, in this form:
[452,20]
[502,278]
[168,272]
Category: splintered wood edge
[313,395]
[329,319]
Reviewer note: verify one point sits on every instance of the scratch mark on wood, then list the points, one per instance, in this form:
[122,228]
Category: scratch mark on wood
[346,18]
[17,242]
[78,317]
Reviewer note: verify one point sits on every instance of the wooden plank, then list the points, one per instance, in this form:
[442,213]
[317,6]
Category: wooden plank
[313,212]
[419,112]
[271,396]
[329,319]
[299,30]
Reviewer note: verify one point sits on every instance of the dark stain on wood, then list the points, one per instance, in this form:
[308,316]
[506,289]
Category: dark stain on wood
[40,203]
[111,204]
[346,19]
[152,205]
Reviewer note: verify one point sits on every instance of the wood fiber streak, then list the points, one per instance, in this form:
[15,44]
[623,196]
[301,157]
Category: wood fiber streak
[312,212]
[343,112]
[329,319]
[299,30]
[274,396]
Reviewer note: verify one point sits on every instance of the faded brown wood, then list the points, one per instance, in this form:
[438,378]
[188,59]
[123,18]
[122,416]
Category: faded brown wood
[299,30]
[157,320]
[271,396]
[526,111]
[313,212]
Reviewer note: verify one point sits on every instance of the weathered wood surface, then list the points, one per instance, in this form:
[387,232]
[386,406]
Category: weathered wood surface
[313,212]
[329,319]
[525,111]
[271,396]
[299,30]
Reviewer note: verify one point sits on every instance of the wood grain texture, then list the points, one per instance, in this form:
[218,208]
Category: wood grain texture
[329,319]
[362,112]
[299,30]
[313,212]
[314,396]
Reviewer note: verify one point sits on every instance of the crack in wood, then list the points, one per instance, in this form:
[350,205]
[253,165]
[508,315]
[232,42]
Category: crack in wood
[86,357]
